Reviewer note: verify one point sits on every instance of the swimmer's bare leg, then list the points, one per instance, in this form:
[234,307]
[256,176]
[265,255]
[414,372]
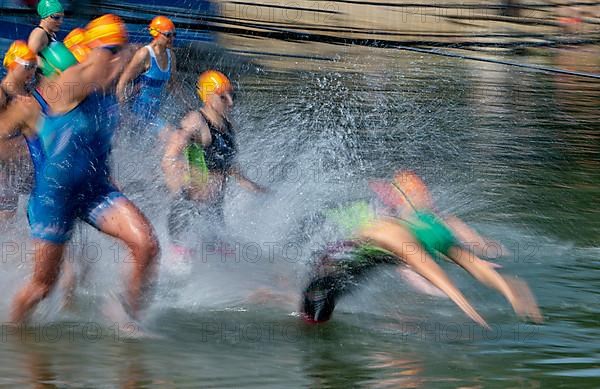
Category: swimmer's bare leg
[516,292]
[164,133]
[124,221]
[47,260]
[397,239]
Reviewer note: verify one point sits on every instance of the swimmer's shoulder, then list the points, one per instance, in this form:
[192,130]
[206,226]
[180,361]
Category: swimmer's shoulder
[194,125]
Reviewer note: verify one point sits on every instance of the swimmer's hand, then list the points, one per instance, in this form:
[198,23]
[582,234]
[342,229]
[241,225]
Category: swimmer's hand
[523,301]
[263,189]
[245,182]
[474,242]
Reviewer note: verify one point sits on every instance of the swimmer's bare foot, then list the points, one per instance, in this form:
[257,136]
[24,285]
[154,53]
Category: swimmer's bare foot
[523,301]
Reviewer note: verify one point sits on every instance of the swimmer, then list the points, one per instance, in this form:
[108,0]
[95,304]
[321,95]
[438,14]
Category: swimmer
[150,71]
[73,179]
[411,233]
[15,166]
[51,13]
[198,160]
[28,112]
[15,169]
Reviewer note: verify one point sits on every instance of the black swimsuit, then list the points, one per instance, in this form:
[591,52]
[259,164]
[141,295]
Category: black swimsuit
[220,154]
[51,36]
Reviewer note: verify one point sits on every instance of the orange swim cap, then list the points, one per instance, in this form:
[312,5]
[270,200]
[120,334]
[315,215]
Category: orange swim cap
[387,194]
[18,53]
[107,30]
[75,37]
[413,188]
[74,42]
[212,81]
[160,24]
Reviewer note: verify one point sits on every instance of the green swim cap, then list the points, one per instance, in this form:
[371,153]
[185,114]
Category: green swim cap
[56,58]
[46,8]
[353,217]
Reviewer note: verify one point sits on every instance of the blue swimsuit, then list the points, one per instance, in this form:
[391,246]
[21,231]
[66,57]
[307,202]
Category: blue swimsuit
[72,175]
[152,84]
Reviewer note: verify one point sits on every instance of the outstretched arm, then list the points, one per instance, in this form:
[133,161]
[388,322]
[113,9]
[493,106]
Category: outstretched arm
[133,69]
[473,241]
[393,237]
[15,116]
[245,182]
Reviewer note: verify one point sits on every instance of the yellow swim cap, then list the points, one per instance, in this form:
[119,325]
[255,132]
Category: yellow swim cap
[107,30]
[161,24]
[74,42]
[212,81]
[19,53]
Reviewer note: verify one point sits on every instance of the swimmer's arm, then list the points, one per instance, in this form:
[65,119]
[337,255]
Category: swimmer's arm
[31,116]
[173,164]
[135,67]
[11,118]
[474,241]
[245,182]
[8,122]
[2,100]
[89,76]
[37,40]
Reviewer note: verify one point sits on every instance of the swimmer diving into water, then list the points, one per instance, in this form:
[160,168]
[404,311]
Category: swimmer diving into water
[407,232]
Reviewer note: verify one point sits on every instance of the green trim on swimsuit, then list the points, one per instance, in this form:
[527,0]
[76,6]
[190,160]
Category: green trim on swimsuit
[372,253]
[194,153]
[351,218]
[431,232]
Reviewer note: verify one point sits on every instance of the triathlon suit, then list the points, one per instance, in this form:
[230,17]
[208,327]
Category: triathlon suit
[219,156]
[14,170]
[152,84]
[429,230]
[72,175]
[339,267]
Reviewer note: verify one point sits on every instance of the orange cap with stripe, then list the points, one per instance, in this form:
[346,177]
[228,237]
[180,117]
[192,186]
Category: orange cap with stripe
[210,82]
[18,53]
[74,42]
